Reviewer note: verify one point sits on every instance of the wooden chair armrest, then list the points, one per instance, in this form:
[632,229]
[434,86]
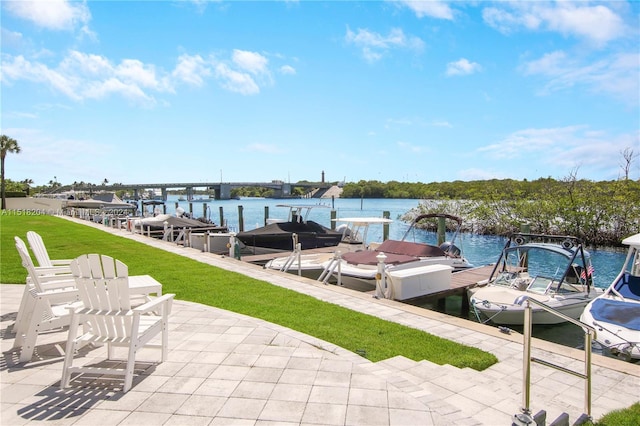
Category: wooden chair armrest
[44,271]
[61,262]
[154,303]
[59,283]
[60,296]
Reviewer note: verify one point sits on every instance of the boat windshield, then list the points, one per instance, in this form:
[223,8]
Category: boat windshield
[540,268]
[540,285]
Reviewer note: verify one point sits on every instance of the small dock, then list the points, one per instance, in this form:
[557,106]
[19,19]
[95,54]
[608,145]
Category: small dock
[461,282]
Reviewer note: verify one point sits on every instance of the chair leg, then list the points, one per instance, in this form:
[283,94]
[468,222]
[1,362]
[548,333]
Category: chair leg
[70,349]
[28,342]
[23,320]
[131,362]
[26,297]
[165,341]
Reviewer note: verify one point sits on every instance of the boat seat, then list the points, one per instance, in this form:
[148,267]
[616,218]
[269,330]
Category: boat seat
[367,257]
[629,287]
[410,249]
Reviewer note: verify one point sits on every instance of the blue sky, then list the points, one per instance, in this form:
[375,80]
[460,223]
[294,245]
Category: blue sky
[196,91]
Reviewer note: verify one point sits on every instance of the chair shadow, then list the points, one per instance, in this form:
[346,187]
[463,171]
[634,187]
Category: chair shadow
[85,391]
[43,353]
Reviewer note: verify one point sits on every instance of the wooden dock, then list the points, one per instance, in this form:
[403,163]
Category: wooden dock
[461,282]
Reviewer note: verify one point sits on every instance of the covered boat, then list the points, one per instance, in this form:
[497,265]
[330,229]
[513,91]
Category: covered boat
[554,270]
[404,262]
[354,232]
[616,313]
[278,235]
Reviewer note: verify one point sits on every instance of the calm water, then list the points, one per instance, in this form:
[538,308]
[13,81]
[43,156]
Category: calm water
[478,249]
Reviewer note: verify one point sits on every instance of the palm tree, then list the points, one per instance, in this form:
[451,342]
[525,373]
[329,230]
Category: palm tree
[7,145]
[27,185]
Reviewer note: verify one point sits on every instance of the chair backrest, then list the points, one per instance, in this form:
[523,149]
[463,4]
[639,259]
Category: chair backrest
[102,281]
[39,249]
[33,276]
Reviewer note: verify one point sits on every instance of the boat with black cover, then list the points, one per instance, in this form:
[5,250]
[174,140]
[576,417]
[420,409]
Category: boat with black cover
[278,234]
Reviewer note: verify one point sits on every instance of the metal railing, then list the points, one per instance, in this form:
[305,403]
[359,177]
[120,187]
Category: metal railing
[589,334]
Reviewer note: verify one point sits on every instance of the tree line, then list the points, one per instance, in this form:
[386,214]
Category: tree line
[600,213]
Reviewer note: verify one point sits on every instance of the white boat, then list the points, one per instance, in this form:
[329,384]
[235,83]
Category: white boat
[412,269]
[554,270]
[355,236]
[616,314]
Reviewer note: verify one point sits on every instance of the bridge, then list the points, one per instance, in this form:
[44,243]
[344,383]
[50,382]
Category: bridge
[222,190]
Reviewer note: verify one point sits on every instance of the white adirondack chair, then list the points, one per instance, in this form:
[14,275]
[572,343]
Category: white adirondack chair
[44,303]
[42,255]
[140,286]
[110,319]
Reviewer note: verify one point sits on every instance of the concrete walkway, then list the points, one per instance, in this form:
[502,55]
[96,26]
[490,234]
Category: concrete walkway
[226,368]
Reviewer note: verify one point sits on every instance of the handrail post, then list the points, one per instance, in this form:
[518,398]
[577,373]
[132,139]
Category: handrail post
[526,363]
[525,417]
[587,367]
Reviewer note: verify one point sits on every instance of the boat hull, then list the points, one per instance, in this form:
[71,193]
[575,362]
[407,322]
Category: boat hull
[500,305]
[514,314]
[612,336]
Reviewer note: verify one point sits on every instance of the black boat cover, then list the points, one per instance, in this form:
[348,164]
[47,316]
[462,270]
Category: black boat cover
[279,235]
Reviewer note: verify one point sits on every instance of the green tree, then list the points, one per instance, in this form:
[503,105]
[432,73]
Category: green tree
[27,185]
[7,145]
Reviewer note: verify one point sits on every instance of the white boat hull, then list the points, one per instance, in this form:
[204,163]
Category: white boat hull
[499,305]
[617,339]
[615,314]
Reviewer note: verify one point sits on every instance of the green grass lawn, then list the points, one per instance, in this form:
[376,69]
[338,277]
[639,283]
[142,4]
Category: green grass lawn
[625,417]
[193,281]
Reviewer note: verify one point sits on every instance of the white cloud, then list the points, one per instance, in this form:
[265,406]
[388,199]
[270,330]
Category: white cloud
[431,8]
[191,69]
[86,76]
[11,38]
[251,62]
[596,23]
[82,75]
[103,88]
[462,67]
[19,68]
[287,69]
[235,81]
[562,148]
[374,45]
[615,75]
[51,14]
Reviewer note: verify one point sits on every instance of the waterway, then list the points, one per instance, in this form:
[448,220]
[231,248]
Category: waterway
[478,249]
